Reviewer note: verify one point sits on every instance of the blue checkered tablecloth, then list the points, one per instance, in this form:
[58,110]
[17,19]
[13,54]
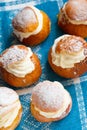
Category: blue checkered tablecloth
[77,119]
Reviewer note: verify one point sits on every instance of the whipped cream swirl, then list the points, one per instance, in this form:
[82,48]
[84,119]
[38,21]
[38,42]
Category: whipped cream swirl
[9,106]
[8,114]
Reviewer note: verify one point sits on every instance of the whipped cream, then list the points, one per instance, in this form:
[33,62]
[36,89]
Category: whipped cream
[65,60]
[22,67]
[76,22]
[22,35]
[9,113]
[67,101]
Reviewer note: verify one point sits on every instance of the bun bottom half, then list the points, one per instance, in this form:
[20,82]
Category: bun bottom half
[73,29]
[76,71]
[41,118]
[29,79]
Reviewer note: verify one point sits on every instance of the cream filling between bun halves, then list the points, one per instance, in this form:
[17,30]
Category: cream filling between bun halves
[77,22]
[65,60]
[9,113]
[22,35]
[67,102]
[22,67]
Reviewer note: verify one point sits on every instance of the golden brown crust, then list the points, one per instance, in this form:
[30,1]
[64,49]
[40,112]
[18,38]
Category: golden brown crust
[44,119]
[28,26]
[73,29]
[15,123]
[76,71]
[25,81]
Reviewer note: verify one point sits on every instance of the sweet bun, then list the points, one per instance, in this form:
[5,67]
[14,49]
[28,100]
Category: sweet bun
[31,25]
[68,56]
[50,101]
[73,17]
[10,109]
[19,66]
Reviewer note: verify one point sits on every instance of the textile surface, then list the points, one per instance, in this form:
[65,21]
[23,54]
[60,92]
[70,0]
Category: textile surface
[77,119]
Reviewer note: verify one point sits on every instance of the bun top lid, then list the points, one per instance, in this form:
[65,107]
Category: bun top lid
[69,44]
[76,10]
[13,54]
[7,96]
[27,19]
[48,96]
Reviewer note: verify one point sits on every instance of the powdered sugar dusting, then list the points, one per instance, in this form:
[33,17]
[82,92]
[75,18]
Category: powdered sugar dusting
[48,95]
[71,44]
[7,96]
[77,10]
[25,16]
[11,55]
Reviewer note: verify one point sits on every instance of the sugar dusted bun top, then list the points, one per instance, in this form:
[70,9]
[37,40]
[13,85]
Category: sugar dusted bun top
[69,44]
[7,96]
[49,96]
[13,54]
[27,20]
[76,10]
